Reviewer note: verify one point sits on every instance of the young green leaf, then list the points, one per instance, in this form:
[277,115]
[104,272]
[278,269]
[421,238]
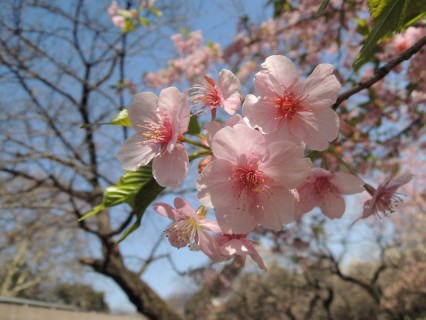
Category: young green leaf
[386,22]
[322,7]
[125,191]
[143,199]
[121,119]
[194,127]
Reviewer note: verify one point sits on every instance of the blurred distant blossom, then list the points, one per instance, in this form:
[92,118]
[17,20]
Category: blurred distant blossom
[402,41]
[194,60]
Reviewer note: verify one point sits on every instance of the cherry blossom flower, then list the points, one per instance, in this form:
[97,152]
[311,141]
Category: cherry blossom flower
[403,41]
[159,124]
[189,227]
[224,94]
[113,8]
[324,189]
[118,21]
[213,127]
[249,181]
[300,110]
[384,198]
[237,244]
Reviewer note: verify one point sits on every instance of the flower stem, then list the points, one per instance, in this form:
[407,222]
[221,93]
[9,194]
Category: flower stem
[342,161]
[199,155]
[195,143]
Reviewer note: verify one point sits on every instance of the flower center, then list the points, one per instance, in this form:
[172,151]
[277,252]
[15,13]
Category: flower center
[287,106]
[323,186]
[184,231]
[157,133]
[249,181]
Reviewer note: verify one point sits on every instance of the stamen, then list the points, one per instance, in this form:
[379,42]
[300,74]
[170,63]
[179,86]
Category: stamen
[287,105]
[248,183]
[157,133]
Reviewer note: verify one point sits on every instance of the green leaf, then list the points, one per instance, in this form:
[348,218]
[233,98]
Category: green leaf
[94,211]
[128,26]
[121,119]
[125,191]
[144,21]
[376,7]
[143,199]
[362,27]
[194,127]
[387,21]
[389,16]
[156,12]
[322,7]
[279,6]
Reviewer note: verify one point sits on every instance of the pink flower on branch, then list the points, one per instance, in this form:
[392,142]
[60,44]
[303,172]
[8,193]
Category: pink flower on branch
[249,181]
[300,110]
[324,189]
[189,227]
[224,94]
[159,124]
[385,198]
[231,245]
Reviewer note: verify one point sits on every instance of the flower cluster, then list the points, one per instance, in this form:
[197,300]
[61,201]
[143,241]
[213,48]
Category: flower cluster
[255,174]
[194,60]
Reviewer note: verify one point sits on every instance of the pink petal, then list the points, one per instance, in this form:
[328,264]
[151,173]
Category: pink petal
[261,113]
[174,235]
[285,165]
[278,72]
[185,208]
[233,219]
[242,247]
[333,205]
[321,88]
[214,185]
[171,168]
[230,144]
[210,225]
[234,120]
[396,183]
[278,209]
[316,128]
[208,245]
[143,109]
[210,130]
[347,183]
[306,201]
[283,134]
[168,211]
[133,154]
[255,256]
[174,103]
[234,246]
[229,87]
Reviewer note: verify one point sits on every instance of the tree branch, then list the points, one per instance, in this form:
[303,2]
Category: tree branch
[381,72]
